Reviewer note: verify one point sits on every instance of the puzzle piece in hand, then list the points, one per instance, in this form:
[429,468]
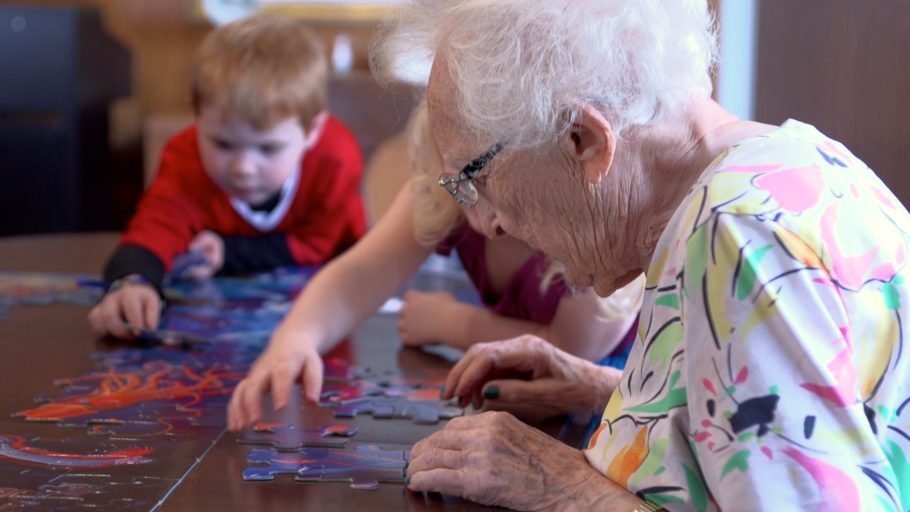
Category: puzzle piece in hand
[363,467]
[285,437]
[424,412]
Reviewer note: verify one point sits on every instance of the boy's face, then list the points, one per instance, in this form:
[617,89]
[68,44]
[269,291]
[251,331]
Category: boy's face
[249,164]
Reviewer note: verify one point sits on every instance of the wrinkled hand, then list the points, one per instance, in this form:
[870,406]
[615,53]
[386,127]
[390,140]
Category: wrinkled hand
[211,247]
[423,317]
[494,459]
[286,359]
[135,304]
[527,373]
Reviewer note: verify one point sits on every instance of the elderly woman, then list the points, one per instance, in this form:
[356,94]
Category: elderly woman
[769,372]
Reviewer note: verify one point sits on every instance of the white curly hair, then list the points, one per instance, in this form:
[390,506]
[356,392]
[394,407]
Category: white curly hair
[522,68]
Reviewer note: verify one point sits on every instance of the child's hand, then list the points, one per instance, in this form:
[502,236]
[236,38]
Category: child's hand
[287,358]
[424,316]
[211,247]
[133,304]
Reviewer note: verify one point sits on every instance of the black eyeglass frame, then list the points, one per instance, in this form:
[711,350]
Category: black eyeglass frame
[461,186]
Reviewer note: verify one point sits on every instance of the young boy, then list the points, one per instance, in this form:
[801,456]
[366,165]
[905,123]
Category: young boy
[264,177]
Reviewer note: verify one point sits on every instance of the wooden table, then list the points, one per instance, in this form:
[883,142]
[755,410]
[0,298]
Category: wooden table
[42,343]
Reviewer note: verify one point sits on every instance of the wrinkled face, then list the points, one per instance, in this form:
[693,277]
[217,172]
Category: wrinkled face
[249,164]
[536,196]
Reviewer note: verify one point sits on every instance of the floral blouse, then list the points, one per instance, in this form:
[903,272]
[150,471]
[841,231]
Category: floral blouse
[770,371]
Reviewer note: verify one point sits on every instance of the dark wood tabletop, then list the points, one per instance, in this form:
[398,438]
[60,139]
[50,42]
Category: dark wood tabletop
[47,342]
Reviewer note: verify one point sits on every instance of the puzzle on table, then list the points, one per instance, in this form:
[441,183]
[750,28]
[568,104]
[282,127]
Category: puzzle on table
[88,456]
[284,437]
[354,390]
[364,466]
[33,288]
[141,393]
[137,406]
[88,491]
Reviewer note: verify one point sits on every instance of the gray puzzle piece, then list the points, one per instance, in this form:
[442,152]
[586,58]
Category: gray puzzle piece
[423,412]
[284,437]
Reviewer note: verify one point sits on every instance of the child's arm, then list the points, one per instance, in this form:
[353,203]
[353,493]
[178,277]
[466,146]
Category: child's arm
[578,326]
[336,301]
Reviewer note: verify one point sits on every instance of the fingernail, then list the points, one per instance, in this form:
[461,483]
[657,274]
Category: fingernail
[407,481]
[491,393]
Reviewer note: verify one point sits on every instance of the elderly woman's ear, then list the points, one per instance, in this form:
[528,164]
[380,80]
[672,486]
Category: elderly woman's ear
[591,142]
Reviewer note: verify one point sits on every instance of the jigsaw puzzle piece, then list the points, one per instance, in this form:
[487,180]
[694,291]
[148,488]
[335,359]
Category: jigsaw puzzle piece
[285,437]
[425,412]
[363,467]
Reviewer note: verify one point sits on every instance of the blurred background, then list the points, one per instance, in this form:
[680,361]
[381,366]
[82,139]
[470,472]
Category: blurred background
[91,90]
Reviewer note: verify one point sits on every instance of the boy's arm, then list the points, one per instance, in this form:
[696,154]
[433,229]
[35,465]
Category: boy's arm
[169,213]
[130,259]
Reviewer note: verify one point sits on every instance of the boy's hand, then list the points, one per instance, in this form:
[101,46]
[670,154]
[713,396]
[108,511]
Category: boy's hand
[286,359]
[133,304]
[424,317]
[211,247]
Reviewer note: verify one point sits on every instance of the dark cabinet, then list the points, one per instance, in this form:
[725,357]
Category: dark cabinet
[59,72]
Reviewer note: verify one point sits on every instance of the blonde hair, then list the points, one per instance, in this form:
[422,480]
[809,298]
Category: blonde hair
[436,214]
[262,69]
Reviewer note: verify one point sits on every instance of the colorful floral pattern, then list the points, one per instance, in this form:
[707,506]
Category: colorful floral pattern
[770,371]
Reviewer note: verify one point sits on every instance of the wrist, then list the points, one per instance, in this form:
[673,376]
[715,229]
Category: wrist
[294,340]
[129,280]
[605,380]
[461,322]
[595,491]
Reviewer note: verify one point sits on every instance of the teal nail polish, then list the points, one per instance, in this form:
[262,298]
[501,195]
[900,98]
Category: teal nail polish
[491,393]
[407,481]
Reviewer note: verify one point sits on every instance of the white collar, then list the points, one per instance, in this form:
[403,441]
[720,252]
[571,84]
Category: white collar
[267,221]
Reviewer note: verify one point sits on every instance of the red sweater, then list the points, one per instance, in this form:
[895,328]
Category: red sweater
[326,216]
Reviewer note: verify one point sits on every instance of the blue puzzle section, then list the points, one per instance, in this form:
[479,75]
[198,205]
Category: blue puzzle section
[32,288]
[172,400]
[363,466]
[168,400]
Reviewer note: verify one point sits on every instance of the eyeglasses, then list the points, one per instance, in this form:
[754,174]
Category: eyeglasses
[461,186]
